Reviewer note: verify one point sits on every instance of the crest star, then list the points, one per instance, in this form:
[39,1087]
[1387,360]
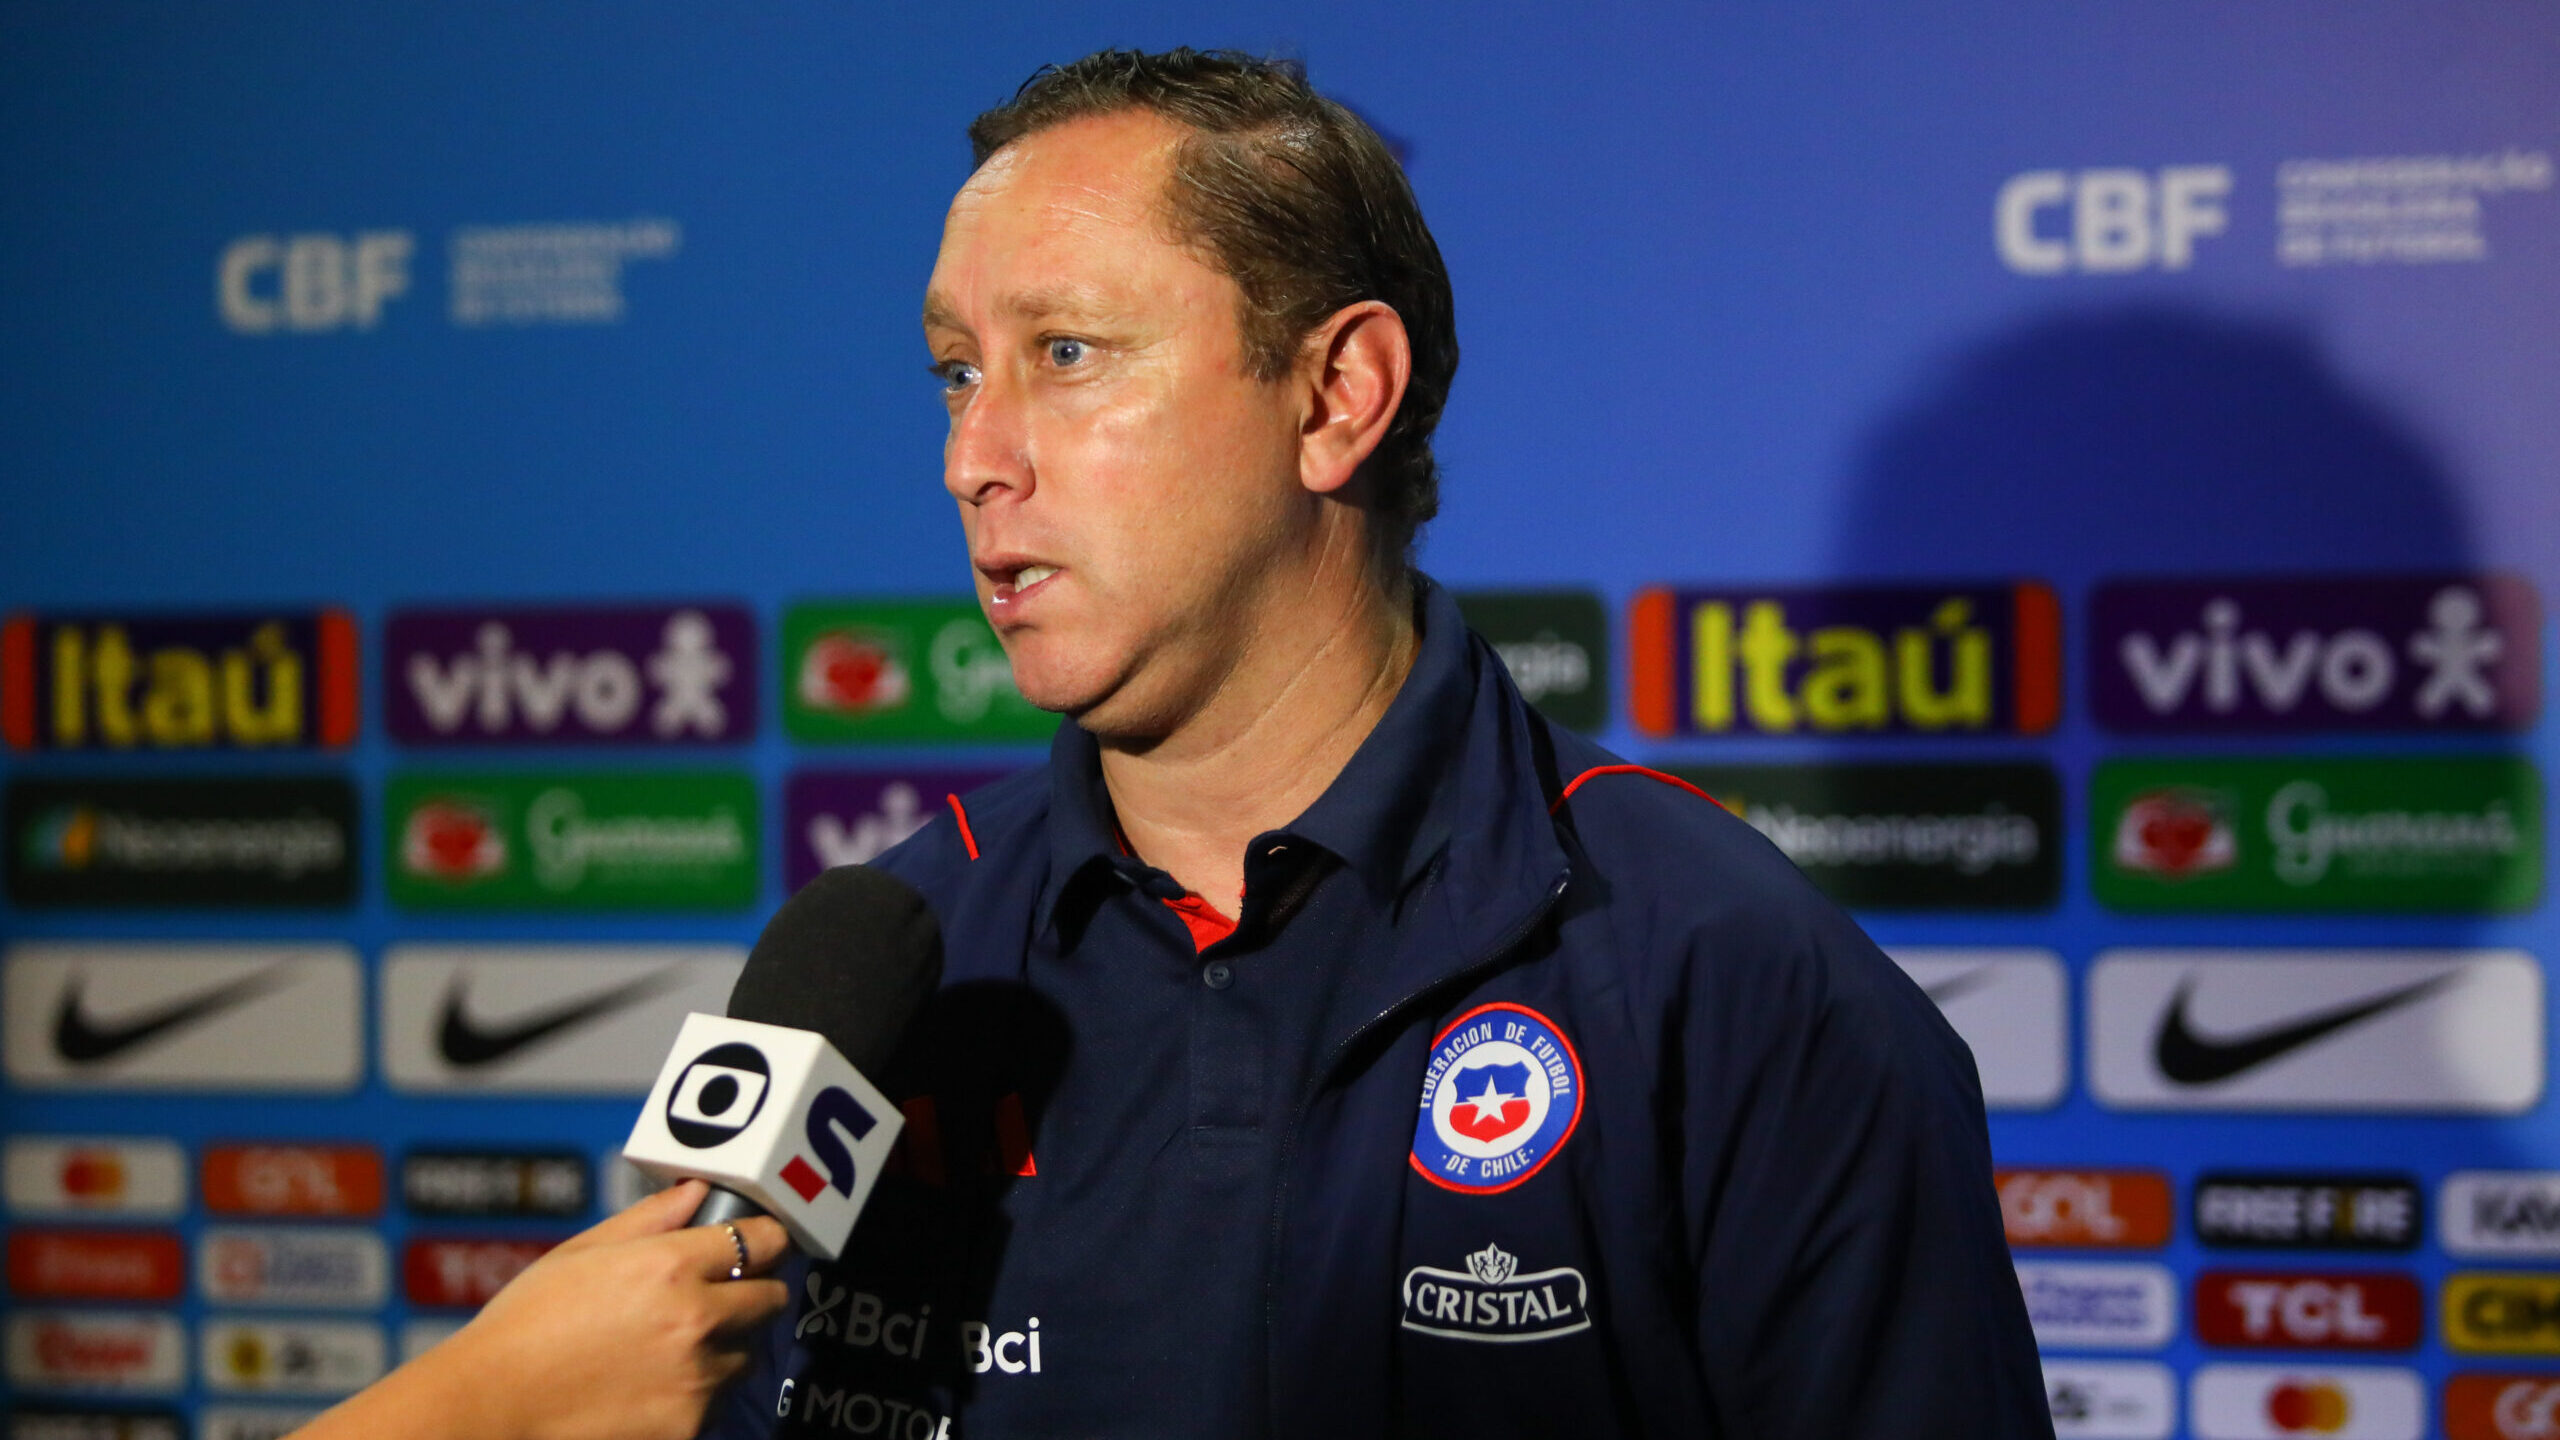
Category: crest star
[1489,1105]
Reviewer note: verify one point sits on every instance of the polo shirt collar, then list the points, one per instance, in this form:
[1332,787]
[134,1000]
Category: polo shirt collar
[1385,817]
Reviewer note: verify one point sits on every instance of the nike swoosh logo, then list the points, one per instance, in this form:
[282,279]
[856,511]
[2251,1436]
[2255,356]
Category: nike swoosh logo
[2188,1058]
[82,1040]
[468,1045]
[1955,985]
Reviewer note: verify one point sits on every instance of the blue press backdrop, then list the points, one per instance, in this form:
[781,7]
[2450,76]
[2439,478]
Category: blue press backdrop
[1731,301]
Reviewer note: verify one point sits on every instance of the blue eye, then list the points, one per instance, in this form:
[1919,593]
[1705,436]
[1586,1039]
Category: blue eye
[1065,352]
[956,374]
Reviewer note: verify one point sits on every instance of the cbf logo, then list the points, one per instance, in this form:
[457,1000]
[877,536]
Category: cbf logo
[1503,1094]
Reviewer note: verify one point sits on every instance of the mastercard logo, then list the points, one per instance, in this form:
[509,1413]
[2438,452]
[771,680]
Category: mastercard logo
[2316,1408]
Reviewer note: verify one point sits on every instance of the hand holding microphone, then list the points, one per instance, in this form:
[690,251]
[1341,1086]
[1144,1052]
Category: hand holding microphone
[626,1331]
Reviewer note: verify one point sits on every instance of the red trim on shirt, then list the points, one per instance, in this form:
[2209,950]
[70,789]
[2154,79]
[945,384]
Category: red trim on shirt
[1576,783]
[966,838]
[1202,919]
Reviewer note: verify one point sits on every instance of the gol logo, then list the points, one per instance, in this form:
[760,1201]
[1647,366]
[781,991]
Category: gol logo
[2502,1407]
[333,1180]
[449,838]
[2085,1209]
[2314,1407]
[2502,1314]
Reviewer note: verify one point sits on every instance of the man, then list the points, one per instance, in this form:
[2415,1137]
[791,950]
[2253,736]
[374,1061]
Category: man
[1329,1048]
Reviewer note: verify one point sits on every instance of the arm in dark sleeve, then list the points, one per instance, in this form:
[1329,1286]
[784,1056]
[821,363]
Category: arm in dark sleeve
[1853,1276]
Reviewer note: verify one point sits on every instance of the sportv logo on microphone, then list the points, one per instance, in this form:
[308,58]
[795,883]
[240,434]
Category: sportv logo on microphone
[773,1114]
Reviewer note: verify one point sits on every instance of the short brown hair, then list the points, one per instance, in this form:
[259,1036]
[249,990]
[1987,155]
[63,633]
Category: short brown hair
[1300,202]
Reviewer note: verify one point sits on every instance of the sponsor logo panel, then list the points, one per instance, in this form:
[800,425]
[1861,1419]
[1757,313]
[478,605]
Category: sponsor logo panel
[2500,1213]
[2308,1212]
[1906,837]
[682,841]
[2453,1031]
[555,1019]
[2294,1311]
[2452,835]
[323,1268]
[315,1181]
[901,670]
[2009,1006]
[534,1185]
[1846,661]
[96,1265]
[101,1176]
[849,817]
[251,1422]
[139,1352]
[122,1016]
[2100,1306]
[2502,1313]
[264,681]
[45,1422]
[1493,1300]
[2502,1407]
[290,1357]
[266,842]
[2277,656]
[2111,1399]
[638,675]
[1555,643]
[2085,1209]
[463,1274]
[2280,1402]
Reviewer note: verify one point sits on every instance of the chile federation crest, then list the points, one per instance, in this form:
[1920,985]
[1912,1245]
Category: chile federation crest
[1501,1096]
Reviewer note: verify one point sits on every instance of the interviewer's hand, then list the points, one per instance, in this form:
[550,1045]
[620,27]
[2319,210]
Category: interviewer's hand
[623,1332]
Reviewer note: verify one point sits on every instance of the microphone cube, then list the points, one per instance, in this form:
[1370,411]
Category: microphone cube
[774,1114]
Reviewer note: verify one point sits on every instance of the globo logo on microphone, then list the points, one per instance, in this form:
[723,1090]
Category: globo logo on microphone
[718,1095]
[774,1114]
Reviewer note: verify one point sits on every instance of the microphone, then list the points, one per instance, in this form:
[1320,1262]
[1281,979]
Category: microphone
[771,1103]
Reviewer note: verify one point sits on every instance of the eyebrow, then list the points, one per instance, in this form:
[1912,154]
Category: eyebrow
[1071,300]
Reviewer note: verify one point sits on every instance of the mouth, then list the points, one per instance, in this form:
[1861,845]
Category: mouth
[1015,584]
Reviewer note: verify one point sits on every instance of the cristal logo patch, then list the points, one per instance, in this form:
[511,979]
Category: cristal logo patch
[1501,1096]
[1492,1300]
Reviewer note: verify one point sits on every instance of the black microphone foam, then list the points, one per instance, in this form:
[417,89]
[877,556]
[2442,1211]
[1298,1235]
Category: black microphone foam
[853,956]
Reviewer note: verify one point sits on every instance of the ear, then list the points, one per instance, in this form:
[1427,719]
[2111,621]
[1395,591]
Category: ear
[1352,373]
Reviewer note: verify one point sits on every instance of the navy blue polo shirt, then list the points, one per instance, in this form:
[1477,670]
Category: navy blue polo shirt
[1125,1255]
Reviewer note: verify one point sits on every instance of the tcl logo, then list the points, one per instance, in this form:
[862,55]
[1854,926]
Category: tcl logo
[2308,1312]
[95,1265]
[464,1273]
[342,1180]
[2502,1407]
[2087,1209]
[2111,222]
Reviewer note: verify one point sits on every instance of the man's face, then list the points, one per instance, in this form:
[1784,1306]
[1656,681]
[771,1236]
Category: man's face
[1128,488]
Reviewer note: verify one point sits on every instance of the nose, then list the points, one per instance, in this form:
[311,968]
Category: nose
[987,455]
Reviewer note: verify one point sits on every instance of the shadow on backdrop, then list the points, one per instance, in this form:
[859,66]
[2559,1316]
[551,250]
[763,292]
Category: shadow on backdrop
[2152,440]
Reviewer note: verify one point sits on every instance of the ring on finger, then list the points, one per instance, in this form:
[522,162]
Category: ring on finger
[739,1270]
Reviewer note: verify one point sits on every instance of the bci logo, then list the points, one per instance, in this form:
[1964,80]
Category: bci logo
[2108,221]
[311,282]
